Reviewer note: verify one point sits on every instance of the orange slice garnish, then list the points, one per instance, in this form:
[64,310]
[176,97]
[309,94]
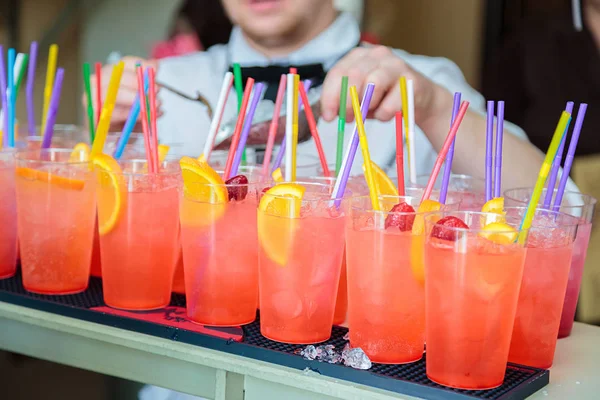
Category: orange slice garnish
[44,176]
[499,232]
[108,192]
[80,153]
[385,186]
[277,175]
[417,263]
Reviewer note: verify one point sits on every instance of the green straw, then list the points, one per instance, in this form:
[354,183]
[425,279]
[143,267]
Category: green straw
[239,90]
[341,124]
[543,175]
[21,73]
[88,95]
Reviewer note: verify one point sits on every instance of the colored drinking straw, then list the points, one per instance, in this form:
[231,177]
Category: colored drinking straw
[289,126]
[364,146]
[543,176]
[33,50]
[53,109]
[9,139]
[450,155]
[258,93]
[20,65]
[341,124]
[412,157]
[498,158]
[570,156]
[399,154]
[50,73]
[295,125]
[98,70]
[444,151]
[235,139]
[88,98]
[153,116]
[557,161]
[239,90]
[312,125]
[107,109]
[274,125]
[218,115]
[342,177]
[489,144]
[145,124]
[404,98]
[132,118]
[3,91]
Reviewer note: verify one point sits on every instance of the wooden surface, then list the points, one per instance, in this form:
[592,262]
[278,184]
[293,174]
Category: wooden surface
[216,375]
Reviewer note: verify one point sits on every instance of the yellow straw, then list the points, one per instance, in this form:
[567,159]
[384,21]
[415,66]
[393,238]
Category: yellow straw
[364,146]
[295,125]
[404,96]
[107,109]
[50,73]
[543,175]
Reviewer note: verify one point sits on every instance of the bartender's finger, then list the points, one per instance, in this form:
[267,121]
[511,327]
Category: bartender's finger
[389,105]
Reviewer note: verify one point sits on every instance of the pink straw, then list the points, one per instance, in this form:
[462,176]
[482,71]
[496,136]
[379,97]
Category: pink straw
[235,140]
[312,125]
[258,93]
[450,155]
[489,137]
[498,158]
[274,124]
[399,154]
[154,128]
[557,161]
[442,155]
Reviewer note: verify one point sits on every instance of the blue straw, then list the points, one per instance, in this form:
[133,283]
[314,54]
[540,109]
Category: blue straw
[134,113]
[11,97]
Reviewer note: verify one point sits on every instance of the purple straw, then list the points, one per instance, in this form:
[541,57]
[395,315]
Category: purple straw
[570,156]
[33,49]
[258,93]
[3,92]
[498,158]
[450,155]
[53,108]
[557,161]
[346,167]
[279,159]
[489,137]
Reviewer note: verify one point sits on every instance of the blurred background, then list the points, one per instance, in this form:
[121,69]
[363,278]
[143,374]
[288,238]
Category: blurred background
[475,34]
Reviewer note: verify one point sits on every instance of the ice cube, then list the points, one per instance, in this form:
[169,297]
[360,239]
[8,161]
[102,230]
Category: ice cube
[309,352]
[355,358]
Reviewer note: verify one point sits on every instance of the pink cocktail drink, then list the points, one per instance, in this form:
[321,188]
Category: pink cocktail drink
[56,206]
[8,215]
[472,285]
[542,294]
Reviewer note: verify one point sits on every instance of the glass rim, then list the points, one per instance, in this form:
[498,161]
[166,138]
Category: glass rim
[171,160]
[34,156]
[593,200]
[381,212]
[325,196]
[429,221]
[576,221]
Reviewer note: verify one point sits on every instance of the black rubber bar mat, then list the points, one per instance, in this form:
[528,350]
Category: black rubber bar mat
[170,323]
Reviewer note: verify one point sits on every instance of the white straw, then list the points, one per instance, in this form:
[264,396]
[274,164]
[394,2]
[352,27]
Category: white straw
[216,121]
[17,69]
[289,106]
[410,89]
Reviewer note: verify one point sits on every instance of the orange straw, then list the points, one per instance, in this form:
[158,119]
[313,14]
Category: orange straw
[442,154]
[153,130]
[312,125]
[274,124]
[238,128]
[399,154]
[145,127]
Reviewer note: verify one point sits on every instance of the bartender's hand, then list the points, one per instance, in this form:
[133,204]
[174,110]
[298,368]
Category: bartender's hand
[127,91]
[379,65]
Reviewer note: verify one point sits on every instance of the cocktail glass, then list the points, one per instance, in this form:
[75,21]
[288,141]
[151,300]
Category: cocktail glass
[542,295]
[471,291]
[8,214]
[139,243]
[56,206]
[578,205]
[300,260]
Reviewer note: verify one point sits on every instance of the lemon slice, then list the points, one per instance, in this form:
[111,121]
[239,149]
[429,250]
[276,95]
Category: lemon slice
[277,175]
[499,232]
[385,186]
[496,206]
[276,234]
[109,196]
[163,150]
[81,152]
[417,248]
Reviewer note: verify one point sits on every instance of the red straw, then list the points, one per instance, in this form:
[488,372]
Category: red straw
[274,124]
[145,128]
[153,130]
[313,130]
[442,154]
[293,71]
[98,67]
[399,154]
[238,128]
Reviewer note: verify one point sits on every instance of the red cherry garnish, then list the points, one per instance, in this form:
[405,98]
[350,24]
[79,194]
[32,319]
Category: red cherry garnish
[439,230]
[403,222]
[240,191]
